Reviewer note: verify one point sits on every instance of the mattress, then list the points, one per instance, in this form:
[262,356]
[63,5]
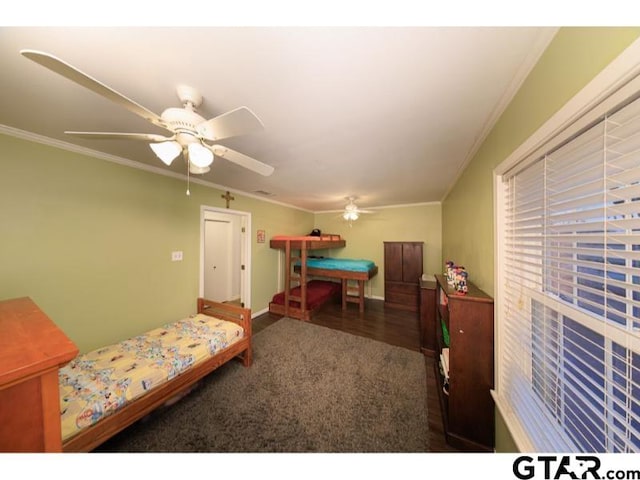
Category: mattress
[98,383]
[318,291]
[345,264]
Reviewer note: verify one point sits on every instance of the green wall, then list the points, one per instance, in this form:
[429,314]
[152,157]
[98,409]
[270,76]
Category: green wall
[574,57]
[90,241]
[365,236]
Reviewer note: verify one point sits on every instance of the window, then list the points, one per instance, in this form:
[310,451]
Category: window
[569,287]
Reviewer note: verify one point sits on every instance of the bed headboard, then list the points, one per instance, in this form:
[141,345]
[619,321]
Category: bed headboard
[226,311]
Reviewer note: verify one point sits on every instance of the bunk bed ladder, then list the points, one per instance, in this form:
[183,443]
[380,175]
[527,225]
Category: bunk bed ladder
[291,277]
[303,275]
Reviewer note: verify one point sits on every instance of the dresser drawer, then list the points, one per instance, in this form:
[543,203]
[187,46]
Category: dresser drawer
[404,288]
[402,298]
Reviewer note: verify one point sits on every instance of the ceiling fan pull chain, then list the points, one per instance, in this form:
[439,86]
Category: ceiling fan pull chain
[188,177]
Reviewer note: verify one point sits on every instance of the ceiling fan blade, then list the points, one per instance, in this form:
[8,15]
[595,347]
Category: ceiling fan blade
[147,137]
[242,160]
[236,122]
[62,68]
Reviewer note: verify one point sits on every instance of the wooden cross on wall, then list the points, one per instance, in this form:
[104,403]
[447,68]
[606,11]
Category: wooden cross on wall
[228,197]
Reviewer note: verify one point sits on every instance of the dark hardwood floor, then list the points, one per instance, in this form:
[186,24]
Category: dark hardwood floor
[392,326]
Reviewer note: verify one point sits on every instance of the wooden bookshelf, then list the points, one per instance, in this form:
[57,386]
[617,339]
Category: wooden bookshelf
[465,400]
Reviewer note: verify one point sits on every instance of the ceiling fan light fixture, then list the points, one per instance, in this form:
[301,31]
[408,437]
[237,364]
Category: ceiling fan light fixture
[350,215]
[200,155]
[194,169]
[166,151]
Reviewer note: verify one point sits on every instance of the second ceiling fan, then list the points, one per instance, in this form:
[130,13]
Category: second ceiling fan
[189,132]
[351,210]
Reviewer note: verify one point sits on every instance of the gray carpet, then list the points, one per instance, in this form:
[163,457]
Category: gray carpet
[310,389]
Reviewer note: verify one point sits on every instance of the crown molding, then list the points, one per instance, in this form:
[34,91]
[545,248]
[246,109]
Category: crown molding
[540,44]
[70,147]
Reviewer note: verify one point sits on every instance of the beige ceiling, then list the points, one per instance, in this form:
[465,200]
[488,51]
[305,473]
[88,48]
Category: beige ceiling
[390,115]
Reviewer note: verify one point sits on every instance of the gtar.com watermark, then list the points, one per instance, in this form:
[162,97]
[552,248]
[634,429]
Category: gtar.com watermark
[568,467]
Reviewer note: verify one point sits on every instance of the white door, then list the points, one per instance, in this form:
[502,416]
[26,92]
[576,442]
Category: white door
[217,260]
[223,235]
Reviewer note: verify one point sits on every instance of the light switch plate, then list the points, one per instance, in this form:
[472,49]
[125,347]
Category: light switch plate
[176,256]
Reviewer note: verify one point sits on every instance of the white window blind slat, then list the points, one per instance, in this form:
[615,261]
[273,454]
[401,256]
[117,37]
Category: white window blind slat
[621,161]
[619,143]
[561,193]
[621,175]
[582,227]
[558,170]
[629,209]
[563,215]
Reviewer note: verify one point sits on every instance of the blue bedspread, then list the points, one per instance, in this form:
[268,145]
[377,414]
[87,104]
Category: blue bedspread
[348,264]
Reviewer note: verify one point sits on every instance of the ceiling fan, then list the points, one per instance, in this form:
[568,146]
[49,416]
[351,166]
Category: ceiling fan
[351,210]
[190,132]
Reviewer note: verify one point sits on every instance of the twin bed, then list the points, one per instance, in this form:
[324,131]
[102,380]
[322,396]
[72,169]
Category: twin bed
[52,399]
[106,390]
[302,300]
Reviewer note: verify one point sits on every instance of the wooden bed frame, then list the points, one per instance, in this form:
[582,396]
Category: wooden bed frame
[308,242]
[304,244]
[89,438]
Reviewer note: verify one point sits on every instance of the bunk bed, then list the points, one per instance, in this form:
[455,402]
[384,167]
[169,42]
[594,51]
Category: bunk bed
[302,300]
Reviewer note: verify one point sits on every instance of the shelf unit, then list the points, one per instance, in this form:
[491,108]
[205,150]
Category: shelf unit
[428,317]
[464,325]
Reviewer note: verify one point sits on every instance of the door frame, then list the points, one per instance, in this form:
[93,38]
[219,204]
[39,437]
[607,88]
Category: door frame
[245,250]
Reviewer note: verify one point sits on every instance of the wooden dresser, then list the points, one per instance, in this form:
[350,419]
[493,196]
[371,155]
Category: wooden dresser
[32,349]
[402,272]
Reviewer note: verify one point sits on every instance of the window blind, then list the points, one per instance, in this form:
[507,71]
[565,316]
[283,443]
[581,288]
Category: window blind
[570,322]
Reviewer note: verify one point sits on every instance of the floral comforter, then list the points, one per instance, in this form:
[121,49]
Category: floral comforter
[98,383]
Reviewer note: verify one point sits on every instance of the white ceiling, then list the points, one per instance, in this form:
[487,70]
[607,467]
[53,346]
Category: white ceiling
[390,115]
